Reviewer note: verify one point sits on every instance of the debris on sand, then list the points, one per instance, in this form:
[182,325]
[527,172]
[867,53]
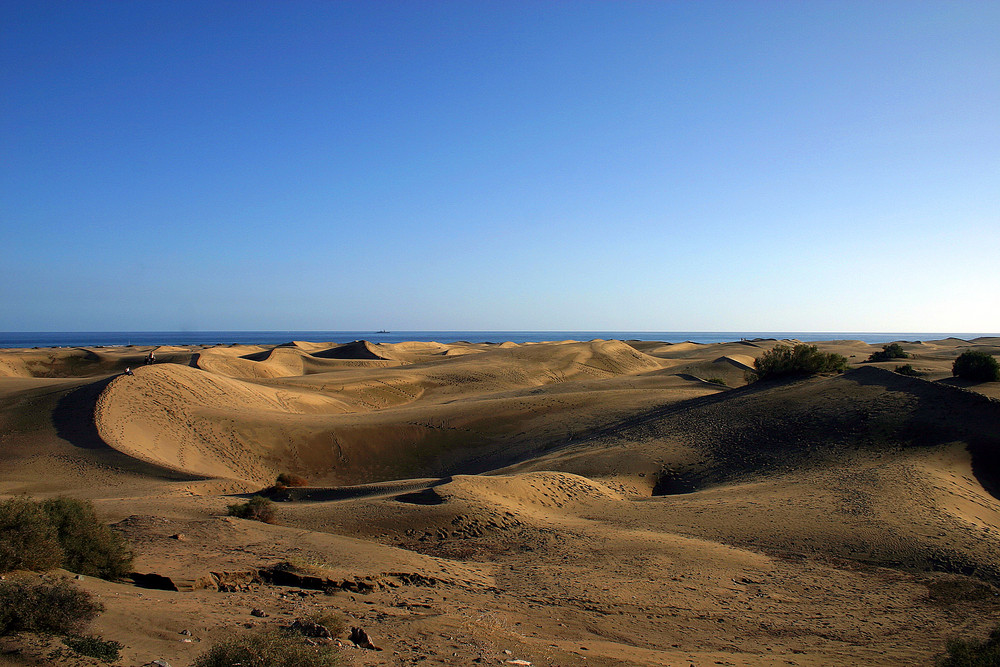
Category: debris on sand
[361,639]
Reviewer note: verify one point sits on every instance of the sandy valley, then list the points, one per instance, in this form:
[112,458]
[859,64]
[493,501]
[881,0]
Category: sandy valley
[563,503]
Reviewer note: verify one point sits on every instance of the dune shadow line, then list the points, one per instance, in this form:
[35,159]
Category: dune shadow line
[73,416]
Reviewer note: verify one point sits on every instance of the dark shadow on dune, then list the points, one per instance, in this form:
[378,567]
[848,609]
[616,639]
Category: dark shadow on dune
[397,489]
[356,350]
[948,412]
[73,416]
[639,424]
[672,483]
[425,497]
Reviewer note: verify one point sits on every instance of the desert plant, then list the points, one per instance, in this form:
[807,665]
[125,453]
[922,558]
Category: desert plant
[971,653]
[95,647]
[976,366]
[908,369]
[43,606]
[265,649]
[782,360]
[330,620]
[889,352]
[257,508]
[719,381]
[289,479]
[28,539]
[90,546]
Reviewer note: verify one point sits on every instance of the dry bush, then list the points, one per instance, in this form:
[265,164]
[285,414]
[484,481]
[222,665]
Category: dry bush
[91,547]
[257,508]
[27,538]
[289,479]
[267,649]
[330,620]
[95,647]
[971,653]
[43,606]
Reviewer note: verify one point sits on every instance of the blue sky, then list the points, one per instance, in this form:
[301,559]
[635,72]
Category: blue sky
[808,166]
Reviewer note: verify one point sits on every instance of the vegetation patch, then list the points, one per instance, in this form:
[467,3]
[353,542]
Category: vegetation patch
[289,479]
[91,547]
[27,538]
[95,647]
[976,366]
[908,369]
[889,352]
[257,508]
[264,649]
[784,361]
[45,606]
[972,653]
[60,532]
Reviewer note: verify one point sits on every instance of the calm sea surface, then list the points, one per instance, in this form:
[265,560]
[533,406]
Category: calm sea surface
[144,338]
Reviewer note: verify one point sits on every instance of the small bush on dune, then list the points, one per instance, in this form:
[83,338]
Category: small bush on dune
[782,360]
[288,479]
[976,366]
[27,538]
[95,647]
[908,369]
[44,606]
[91,547]
[889,352]
[330,620]
[266,649]
[257,508]
[964,653]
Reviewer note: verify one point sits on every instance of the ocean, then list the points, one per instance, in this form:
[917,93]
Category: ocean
[147,338]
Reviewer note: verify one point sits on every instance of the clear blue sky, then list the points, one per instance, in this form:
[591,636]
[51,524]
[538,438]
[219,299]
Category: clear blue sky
[807,166]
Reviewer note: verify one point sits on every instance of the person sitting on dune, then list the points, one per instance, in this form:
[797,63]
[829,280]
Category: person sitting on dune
[128,370]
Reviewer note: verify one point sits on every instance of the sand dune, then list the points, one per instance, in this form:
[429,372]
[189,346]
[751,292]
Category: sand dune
[572,503]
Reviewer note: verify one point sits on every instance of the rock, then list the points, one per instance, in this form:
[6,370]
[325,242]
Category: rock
[259,613]
[360,638]
[310,629]
[185,632]
[159,663]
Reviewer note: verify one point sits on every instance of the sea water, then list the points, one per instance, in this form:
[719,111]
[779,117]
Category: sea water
[148,338]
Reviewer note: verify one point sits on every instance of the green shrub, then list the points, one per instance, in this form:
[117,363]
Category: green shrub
[889,352]
[963,653]
[27,538]
[719,381]
[95,647]
[908,369]
[42,606]
[91,547]
[257,508]
[288,479]
[976,366]
[266,649]
[782,360]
